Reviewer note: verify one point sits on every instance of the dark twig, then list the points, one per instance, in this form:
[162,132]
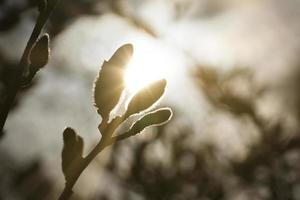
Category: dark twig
[16,82]
[104,142]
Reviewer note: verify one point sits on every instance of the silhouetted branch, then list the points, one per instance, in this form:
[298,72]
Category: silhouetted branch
[68,190]
[108,88]
[46,8]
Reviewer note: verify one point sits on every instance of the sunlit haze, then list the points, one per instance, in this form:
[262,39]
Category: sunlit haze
[147,65]
[232,71]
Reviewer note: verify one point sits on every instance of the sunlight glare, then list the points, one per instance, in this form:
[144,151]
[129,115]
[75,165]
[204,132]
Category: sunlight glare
[144,68]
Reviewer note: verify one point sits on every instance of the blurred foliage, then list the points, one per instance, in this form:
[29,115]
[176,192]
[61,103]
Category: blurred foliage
[27,181]
[270,170]
[12,11]
[187,175]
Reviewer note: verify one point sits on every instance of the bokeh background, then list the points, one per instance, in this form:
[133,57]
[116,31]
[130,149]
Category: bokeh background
[233,72]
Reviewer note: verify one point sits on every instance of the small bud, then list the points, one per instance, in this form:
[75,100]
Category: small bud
[155,118]
[109,84]
[146,97]
[40,52]
[72,152]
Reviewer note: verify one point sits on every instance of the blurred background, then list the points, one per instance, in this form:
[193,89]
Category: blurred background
[233,72]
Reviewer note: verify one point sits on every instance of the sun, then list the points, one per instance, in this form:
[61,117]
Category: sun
[144,67]
[142,71]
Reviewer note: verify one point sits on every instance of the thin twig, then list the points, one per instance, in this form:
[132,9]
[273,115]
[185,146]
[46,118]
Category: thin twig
[104,142]
[16,82]
[68,190]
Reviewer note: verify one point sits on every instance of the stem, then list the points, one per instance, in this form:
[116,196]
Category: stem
[16,81]
[67,192]
[104,142]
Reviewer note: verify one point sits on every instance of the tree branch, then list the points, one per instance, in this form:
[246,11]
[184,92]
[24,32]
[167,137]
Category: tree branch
[16,82]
